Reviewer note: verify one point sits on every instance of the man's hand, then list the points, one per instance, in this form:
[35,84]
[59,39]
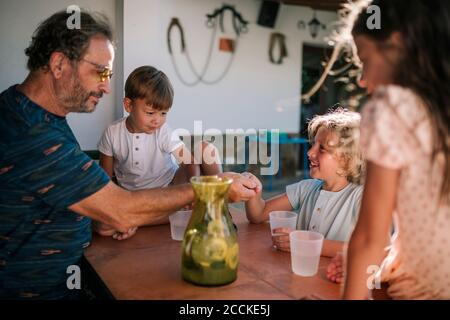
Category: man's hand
[243,187]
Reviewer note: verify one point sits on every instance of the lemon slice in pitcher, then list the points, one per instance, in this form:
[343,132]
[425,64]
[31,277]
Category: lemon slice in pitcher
[232,256]
[215,228]
[209,250]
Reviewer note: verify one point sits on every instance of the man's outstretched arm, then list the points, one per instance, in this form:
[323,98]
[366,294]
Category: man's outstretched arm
[122,209]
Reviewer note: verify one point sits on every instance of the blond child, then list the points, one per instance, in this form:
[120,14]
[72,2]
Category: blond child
[141,151]
[329,202]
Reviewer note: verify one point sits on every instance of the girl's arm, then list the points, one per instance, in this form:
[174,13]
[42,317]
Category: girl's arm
[367,243]
[258,210]
[107,163]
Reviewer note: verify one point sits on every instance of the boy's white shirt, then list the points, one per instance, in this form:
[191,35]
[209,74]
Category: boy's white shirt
[141,160]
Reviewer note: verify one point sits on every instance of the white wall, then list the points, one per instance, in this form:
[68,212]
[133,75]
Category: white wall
[248,96]
[18,20]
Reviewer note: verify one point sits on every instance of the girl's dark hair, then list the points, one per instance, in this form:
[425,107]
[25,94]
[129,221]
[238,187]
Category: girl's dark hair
[151,84]
[424,66]
[53,35]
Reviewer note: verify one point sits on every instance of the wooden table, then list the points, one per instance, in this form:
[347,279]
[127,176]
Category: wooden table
[148,266]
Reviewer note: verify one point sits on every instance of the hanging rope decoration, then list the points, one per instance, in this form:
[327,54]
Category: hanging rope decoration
[280,39]
[239,26]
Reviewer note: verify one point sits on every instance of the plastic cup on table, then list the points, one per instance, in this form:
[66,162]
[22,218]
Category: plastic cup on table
[282,219]
[306,247]
[178,223]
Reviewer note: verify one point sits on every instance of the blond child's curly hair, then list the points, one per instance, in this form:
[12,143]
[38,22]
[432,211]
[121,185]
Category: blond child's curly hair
[345,125]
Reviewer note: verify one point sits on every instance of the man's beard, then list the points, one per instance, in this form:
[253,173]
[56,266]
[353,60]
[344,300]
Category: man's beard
[75,98]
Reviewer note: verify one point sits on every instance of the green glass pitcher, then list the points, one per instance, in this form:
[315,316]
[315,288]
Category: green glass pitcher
[210,251]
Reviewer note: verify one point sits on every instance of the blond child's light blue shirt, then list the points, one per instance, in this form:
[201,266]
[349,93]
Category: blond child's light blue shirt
[332,214]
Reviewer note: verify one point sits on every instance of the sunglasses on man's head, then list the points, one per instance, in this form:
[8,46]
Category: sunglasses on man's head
[104,73]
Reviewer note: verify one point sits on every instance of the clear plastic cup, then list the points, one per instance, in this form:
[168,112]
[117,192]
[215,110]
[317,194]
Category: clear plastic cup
[283,219]
[306,247]
[178,223]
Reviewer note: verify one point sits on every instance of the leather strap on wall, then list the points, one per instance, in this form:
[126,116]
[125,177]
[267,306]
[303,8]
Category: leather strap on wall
[274,39]
[175,23]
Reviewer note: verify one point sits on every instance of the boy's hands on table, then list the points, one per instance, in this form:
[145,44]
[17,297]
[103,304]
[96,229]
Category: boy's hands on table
[280,239]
